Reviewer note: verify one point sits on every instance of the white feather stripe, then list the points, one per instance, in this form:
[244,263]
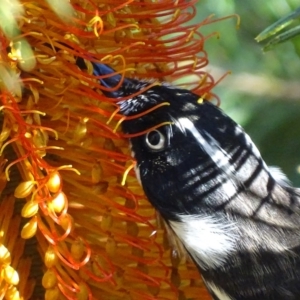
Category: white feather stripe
[218,292]
[219,156]
[208,240]
[279,176]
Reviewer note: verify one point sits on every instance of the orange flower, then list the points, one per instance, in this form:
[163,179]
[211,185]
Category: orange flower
[68,228]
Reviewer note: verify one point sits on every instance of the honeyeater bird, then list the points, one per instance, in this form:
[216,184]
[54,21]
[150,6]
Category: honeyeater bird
[237,218]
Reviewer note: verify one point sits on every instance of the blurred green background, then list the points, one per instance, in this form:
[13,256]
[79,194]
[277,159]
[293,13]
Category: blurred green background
[263,91]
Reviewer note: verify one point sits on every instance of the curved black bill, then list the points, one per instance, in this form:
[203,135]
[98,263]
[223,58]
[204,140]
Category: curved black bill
[111,81]
[127,88]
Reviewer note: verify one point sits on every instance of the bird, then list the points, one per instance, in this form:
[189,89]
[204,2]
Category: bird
[237,218]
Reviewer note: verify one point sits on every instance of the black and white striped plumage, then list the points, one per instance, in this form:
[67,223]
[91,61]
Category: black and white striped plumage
[238,219]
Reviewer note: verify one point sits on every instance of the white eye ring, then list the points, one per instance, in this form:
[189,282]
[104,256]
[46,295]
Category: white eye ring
[155,140]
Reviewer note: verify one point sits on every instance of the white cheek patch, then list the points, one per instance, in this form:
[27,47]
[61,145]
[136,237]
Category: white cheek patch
[136,167]
[218,292]
[138,174]
[208,240]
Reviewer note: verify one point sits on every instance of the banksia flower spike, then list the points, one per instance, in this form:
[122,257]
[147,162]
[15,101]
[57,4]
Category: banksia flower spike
[68,228]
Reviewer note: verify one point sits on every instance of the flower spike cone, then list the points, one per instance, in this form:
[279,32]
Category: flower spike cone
[68,228]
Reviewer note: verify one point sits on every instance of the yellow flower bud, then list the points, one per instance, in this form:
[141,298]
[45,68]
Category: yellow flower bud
[10,275]
[12,294]
[30,209]
[29,229]
[53,294]
[77,249]
[59,202]
[5,258]
[51,258]
[54,182]
[49,280]
[24,189]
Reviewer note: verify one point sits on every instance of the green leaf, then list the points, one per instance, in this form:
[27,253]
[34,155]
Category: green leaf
[283,37]
[278,26]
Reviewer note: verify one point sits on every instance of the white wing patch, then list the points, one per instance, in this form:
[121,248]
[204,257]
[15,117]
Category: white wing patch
[208,240]
[219,293]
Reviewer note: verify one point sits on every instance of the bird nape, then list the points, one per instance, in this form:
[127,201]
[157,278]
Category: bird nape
[236,217]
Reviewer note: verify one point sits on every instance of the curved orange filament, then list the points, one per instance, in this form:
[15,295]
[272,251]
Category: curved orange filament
[46,129]
[224,18]
[137,93]
[65,285]
[68,123]
[57,219]
[65,235]
[44,230]
[32,79]
[13,163]
[145,131]
[119,123]
[132,165]
[32,112]
[74,288]
[148,111]
[127,193]
[48,148]
[142,277]
[136,244]
[217,98]
[71,262]
[113,115]
[222,77]
[22,111]
[57,104]
[106,277]
[60,286]
[63,259]
[139,115]
[8,143]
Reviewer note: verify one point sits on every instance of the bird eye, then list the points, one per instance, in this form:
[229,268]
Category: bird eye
[155,140]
